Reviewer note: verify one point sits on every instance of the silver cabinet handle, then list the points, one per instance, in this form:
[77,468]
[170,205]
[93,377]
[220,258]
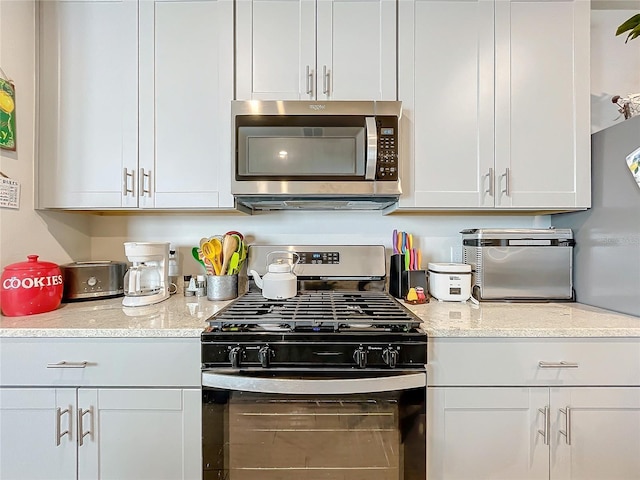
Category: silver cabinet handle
[561,364]
[547,424]
[59,433]
[144,176]
[491,177]
[309,76]
[81,432]
[507,182]
[325,80]
[125,188]
[65,364]
[567,425]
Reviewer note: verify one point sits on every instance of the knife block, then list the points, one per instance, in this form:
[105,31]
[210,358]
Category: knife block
[396,268]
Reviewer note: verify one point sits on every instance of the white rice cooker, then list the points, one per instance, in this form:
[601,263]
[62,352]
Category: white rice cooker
[450,282]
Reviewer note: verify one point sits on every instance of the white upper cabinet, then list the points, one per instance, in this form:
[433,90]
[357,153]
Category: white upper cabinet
[88,103]
[543,141]
[316,50]
[495,114]
[446,72]
[134,104]
[186,88]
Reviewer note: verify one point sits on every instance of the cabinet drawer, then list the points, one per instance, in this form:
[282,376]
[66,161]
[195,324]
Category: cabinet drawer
[516,361]
[109,362]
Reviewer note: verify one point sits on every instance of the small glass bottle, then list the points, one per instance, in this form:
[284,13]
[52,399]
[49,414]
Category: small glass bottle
[201,286]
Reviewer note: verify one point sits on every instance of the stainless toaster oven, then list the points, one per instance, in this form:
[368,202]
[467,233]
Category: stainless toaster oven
[520,264]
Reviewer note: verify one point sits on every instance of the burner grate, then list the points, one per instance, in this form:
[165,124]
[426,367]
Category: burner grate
[322,310]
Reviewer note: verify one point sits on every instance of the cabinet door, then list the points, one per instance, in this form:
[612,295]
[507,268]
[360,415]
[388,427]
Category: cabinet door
[356,46]
[604,433]
[186,88]
[134,434]
[487,433]
[275,49]
[88,104]
[542,104]
[37,433]
[446,73]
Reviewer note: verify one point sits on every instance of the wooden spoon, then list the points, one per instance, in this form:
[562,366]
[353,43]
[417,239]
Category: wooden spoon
[229,246]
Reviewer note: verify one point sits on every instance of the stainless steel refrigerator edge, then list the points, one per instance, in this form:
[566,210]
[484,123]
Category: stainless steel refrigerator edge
[607,251]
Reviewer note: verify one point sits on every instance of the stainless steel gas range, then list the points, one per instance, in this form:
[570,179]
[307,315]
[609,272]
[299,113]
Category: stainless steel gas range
[329,384]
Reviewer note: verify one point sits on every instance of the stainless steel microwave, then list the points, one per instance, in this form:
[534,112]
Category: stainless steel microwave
[329,155]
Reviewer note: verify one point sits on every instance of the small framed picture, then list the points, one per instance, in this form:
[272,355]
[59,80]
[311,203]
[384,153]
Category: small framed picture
[7,115]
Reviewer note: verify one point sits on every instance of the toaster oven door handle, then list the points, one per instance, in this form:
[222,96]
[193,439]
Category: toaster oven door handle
[372,149]
[329,386]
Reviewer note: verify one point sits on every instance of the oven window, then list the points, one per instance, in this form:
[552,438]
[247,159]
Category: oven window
[272,151]
[249,436]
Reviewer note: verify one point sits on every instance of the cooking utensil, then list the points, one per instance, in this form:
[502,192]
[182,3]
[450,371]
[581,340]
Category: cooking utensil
[229,246]
[212,249]
[195,253]
[233,264]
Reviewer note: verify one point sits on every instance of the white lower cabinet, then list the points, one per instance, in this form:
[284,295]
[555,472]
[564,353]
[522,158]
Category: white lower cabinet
[526,433]
[533,421]
[99,433]
[107,412]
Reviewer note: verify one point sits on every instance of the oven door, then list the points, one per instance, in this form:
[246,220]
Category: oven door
[340,425]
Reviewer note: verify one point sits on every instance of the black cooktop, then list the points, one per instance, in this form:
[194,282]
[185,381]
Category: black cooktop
[316,311]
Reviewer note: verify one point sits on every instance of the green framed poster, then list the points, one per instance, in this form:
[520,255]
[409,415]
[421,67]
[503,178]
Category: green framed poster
[7,115]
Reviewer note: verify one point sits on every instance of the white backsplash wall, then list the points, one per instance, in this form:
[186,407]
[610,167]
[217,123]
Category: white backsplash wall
[437,235]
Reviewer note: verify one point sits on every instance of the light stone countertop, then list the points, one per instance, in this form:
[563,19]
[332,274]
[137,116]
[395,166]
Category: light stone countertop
[177,316]
[186,317]
[501,319]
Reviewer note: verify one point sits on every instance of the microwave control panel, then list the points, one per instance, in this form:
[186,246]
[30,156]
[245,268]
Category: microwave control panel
[387,164]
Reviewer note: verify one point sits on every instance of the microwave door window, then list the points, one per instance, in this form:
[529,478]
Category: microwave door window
[301,152]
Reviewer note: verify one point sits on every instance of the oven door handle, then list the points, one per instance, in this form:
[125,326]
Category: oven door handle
[295,386]
[372,149]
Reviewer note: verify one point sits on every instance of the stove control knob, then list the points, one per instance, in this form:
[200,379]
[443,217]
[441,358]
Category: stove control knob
[360,357]
[264,355]
[235,355]
[390,357]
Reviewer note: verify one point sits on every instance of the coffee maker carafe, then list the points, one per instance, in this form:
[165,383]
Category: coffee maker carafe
[147,281]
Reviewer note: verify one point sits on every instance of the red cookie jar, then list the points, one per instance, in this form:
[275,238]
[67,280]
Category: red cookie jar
[30,287]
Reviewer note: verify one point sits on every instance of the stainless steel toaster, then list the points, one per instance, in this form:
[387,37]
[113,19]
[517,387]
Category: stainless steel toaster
[93,280]
[520,264]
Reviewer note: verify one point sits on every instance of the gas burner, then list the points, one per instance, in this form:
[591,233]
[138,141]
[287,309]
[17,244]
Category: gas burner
[316,311]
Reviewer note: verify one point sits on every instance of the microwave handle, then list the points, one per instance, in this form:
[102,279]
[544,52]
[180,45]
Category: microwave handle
[372,149]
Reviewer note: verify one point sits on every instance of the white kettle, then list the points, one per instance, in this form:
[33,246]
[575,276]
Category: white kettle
[279,282]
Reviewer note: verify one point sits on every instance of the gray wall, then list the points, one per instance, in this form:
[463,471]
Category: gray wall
[607,253]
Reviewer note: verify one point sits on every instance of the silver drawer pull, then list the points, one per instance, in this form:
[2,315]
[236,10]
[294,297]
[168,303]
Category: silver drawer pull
[562,364]
[65,364]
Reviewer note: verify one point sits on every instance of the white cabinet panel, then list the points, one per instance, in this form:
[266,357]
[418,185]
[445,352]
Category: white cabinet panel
[88,103]
[133,412]
[186,88]
[134,104]
[604,426]
[275,54]
[308,50]
[487,434]
[446,71]
[542,109]
[32,444]
[497,114]
[139,434]
[492,414]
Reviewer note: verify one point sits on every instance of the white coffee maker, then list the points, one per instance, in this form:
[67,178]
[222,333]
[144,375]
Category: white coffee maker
[147,280]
